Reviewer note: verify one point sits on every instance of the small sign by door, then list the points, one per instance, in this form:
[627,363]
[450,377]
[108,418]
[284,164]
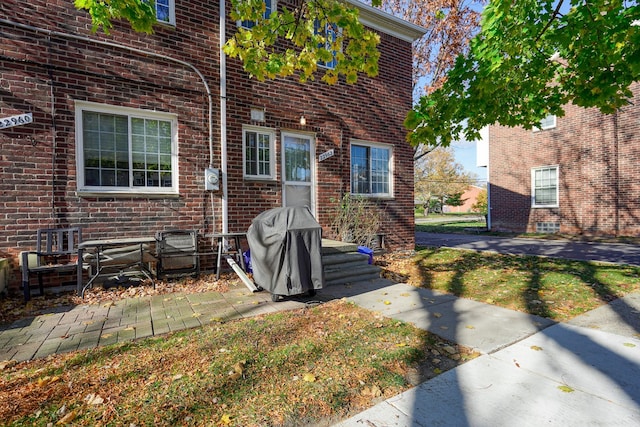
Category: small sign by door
[326,155]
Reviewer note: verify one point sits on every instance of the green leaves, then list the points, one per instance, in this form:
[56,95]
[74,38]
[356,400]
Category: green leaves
[286,42]
[140,14]
[529,60]
[317,32]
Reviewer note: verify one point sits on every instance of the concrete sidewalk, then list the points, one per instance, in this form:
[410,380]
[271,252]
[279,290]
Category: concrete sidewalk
[532,372]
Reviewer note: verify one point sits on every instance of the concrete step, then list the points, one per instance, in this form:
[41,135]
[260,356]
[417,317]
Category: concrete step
[351,274]
[344,264]
[335,260]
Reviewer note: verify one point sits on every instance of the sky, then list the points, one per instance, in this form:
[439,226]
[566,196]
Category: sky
[465,154]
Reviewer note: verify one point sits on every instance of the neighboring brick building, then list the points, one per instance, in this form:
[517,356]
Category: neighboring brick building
[469,197]
[123,127]
[579,174]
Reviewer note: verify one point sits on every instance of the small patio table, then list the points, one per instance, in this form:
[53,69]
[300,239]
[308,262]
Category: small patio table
[113,253]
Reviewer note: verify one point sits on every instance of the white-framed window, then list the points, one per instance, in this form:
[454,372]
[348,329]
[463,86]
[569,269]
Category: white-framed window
[330,33]
[269,7]
[166,11]
[544,187]
[126,150]
[371,169]
[258,152]
[549,122]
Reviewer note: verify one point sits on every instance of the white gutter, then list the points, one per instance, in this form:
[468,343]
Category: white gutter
[387,23]
[223,119]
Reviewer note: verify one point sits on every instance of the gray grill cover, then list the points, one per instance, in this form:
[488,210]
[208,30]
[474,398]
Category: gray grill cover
[286,251]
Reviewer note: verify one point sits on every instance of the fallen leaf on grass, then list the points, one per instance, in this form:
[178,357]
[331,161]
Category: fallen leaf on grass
[94,399]
[47,380]
[373,391]
[238,369]
[308,377]
[225,420]
[7,364]
[69,417]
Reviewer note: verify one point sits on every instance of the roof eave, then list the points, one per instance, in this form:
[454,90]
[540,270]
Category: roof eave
[386,23]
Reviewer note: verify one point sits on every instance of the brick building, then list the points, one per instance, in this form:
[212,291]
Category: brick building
[469,198]
[578,174]
[115,132]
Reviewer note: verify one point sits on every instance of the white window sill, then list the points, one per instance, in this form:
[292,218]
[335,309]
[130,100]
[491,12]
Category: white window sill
[124,194]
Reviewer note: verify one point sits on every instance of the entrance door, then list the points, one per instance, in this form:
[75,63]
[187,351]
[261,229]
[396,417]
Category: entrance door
[298,155]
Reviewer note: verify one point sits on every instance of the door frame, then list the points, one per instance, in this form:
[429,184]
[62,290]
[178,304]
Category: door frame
[312,153]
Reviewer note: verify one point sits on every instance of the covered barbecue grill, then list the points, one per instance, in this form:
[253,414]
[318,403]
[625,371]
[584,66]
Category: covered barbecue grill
[286,251]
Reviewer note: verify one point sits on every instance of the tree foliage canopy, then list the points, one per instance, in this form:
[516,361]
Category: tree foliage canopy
[439,176]
[288,41]
[530,59]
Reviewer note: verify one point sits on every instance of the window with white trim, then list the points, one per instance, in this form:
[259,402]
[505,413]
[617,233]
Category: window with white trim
[269,7]
[166,11]
[126,150]
[371,169]
[258,152]
[544,186]
[549,122]
[330,33]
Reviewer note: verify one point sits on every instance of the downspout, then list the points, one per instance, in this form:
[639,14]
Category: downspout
[133,50]
[223,119]
[488,181]
[616,175]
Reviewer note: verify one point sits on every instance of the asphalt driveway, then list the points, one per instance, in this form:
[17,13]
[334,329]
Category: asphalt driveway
[617,253]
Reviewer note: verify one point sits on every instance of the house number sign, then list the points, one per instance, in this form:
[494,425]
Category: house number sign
[325,155]
[20,119]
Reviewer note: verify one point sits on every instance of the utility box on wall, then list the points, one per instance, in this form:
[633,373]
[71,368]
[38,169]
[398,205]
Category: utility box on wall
[212,179]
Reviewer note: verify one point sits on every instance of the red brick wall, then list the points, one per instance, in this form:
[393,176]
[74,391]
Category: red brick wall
[598,159]
[470,197]
[45,75]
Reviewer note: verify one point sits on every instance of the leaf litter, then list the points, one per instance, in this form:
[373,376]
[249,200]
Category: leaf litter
[238,373]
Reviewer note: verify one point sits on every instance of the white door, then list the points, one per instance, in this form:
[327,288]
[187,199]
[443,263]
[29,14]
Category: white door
[298,165]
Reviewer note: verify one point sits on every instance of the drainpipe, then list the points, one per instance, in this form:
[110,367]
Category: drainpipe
[616,173]
[223,118]
[488,181]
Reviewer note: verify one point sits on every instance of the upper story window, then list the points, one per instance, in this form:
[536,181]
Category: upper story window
[269,7]
[258,152]
[548,122]
[330,34]
[544,186]
[125,150]
[371,169]
[166,11]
